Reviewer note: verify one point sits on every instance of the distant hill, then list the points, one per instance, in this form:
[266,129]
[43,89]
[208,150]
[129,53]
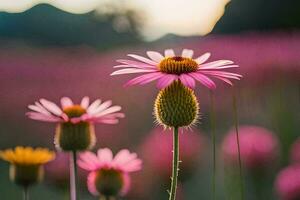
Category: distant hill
[47,25]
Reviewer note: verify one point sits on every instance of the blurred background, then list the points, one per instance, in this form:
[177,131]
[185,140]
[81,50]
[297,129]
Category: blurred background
[55,48]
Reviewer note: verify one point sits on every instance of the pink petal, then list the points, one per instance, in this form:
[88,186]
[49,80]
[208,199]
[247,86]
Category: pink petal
[143,79]
[166,80]
[143,59]
[50,106]
[187,53]
[187,80]
[220,67]
[100,108]
[105,155]
[222,74]
[109,111]
[122,156]
[204,80]
[127,184]
[134,165]
[224,79]
[43,117]
[131,71]
[169,53]
[215,64]
[66,102]
[88,161]
[107,121]
[157,57]
[203,58]
[91,183]
[39,109]
[85,102]
[94,105]
[136,64]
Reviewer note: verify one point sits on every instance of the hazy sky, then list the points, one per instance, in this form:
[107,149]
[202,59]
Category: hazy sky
[183,17]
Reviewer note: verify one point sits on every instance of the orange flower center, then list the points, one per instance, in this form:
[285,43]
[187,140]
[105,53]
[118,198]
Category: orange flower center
[177,65]
[74,111]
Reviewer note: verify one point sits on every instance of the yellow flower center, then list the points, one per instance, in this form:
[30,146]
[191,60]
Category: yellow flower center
[74,111]
[177,65]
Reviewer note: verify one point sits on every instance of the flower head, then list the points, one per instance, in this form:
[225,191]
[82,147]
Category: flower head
[169,68]
[288,183]
[27,164]
[258,147]
[109,176]
[96,112]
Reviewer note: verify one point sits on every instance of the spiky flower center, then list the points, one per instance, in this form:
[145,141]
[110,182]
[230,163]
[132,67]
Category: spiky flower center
[177,65]
[74,111]
[109,182]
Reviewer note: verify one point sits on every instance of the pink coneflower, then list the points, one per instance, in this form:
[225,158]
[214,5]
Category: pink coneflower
[109,176]
[97,112]
[288,183]
[259,147]
[169,68]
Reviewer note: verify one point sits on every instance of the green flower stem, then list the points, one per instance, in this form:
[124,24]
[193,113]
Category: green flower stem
[236,125]
[25,193]
[73,175]
[213,136]
[175,164]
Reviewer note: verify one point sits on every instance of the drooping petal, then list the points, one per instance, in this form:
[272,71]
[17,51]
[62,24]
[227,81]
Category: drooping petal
[101,107]
[203,58]
[215,64]
[109,111]
[91,183]
[187,53]
[143,59]
[224,79]
[220,67]
[85,102]
[169,53]
[187,80]
[143,79]
[43,117]
[136,64]
[157,57]
[132,71]
[126,185]
[39,109]
[166,80]
[94,105]
[222,74]
[66,102]
[204,80]
[52,107]
[105,155]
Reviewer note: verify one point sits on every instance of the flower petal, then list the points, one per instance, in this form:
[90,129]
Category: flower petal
[88,161]
[50,106]
[105,155]
[201,59]
[43,117]
[39,109]
[109,111]
[215,64]
[187,53]
[85,102]
[136,64]
[187,80]
[143,79]
[157,57]
[91,183]
[66,102]
[100,108]
[222,74]
[143,59]
[132,71]
[93,106]
[204,80]
[169,53]
[166,80]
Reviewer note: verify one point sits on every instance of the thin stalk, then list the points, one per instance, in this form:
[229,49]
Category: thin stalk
[175,164]
[25,193]
[213,136]
[73,175]
[236,125]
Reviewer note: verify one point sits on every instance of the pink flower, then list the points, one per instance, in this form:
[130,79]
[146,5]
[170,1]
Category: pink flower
[169,68]
[295,151]
[288,183]
[97,112]
[109,175]
[259,147]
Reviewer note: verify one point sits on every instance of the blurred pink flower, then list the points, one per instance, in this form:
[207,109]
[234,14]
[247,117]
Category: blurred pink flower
[96,112]
[109,170]
[288,183]
[295,151]
[169,68]
[159,140]
[259,147]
